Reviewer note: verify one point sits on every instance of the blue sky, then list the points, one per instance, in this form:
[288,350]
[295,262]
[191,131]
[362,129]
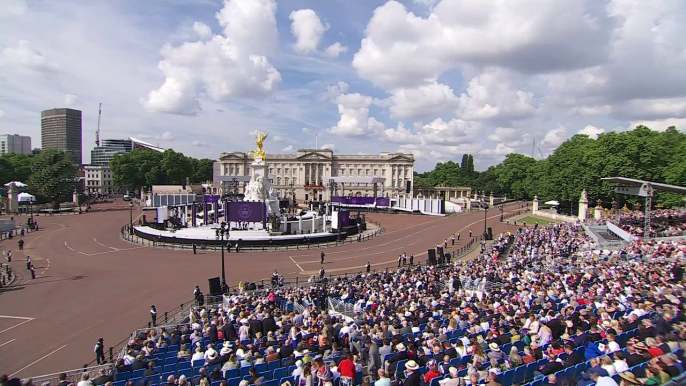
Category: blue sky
[434,78]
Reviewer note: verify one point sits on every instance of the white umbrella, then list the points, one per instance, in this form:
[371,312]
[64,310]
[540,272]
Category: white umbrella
[17,184]
[552,202]
[25,197]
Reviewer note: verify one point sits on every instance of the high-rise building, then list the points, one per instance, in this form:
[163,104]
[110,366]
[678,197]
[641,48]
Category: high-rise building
[61,129]
[15,143]
[98,175]
[102,155]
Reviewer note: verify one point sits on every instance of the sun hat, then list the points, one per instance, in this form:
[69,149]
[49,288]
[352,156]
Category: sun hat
[411,365]
[494,346]
[629,377]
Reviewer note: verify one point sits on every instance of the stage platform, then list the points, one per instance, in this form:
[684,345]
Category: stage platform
[206,235]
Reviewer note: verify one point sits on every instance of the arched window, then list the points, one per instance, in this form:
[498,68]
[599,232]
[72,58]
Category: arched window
[278,180]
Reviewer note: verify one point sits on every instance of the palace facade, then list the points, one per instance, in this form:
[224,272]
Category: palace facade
[305,176]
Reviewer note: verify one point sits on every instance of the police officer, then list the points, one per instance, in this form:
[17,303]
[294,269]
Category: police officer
[153,315]
[100,352]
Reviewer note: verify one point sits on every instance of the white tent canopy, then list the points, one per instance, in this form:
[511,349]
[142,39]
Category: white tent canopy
[552,202]
[16,183]
[25,197]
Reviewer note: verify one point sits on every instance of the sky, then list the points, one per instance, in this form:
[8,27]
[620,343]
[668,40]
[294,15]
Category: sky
[437,79]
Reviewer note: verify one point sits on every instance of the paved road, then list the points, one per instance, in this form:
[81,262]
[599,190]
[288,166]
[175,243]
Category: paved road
[91,283]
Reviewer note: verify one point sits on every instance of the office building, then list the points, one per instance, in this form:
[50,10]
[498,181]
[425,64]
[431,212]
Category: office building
[61,129]
[98,175]
[15,143]
[305,175]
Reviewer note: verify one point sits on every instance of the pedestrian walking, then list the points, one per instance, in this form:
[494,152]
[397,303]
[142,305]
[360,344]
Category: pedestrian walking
[195,249]
[458,236]
[20,243]
[153,315]
[411,260]
[9,256]
[404,259]
[445,244]
[28,262]
[99,351]
[453,239]
[322,256]
[369,267]
[400,260]
[470,233]
[33,271]
[322,273]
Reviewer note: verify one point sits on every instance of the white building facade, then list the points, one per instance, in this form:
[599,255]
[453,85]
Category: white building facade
[15,143]
[305,176]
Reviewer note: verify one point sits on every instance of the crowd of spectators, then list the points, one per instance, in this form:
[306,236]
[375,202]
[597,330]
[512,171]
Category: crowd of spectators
[552,301]
[663,222]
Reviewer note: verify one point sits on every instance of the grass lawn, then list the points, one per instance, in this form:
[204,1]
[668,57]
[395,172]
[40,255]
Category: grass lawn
[530,220]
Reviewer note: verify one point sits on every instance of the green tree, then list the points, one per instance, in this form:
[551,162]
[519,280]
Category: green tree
[52,175]
[203,170]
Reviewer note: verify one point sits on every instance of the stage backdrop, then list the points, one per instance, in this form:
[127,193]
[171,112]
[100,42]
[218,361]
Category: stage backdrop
[246,211]
[380,201]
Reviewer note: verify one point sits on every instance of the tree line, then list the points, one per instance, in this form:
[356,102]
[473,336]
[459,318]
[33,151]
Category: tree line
[578,164]
[140,169]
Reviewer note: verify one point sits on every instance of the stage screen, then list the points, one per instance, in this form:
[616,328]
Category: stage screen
[246,211]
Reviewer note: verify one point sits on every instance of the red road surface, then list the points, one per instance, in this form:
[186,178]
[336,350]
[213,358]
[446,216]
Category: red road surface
[90,283]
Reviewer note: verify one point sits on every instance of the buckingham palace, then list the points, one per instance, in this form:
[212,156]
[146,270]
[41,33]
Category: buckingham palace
[306,175]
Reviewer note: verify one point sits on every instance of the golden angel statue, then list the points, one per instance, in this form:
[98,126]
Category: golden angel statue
[260,154]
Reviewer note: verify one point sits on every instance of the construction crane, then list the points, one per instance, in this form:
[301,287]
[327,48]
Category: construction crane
[97,132]
[539,150]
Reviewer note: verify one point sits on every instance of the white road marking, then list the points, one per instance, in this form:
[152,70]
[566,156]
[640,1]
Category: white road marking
[106,246]
[68,247]
[296,264]
[7,342]
[25,320]
[102,253]
[37,360]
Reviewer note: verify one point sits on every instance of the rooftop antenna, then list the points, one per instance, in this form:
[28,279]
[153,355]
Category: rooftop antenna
[97,132]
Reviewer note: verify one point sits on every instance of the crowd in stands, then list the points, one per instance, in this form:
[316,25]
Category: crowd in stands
[663,222]
[555,313]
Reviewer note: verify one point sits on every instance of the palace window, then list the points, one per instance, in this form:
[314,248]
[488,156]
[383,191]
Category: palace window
[278,180]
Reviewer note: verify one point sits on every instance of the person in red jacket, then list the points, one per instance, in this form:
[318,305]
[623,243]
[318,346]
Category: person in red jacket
[432,372]
[347,370]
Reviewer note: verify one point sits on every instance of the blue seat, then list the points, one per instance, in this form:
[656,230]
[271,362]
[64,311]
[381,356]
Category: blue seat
[434,382]
[123,376]
[120,383]
[167,374]
[280,373]
[216,383]
[358,378]
[138,373]
[234,381]
[520,373]
[400,368]
[245,371]
[234,373]
[508,377]
[286,379]
[184,365]
[267,375]
[530,368]
[261,367]
[199,362]
[273,382]
[271,365]
[170,362]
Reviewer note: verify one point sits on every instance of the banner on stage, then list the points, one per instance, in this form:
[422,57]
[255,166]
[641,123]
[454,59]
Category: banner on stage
[246,211]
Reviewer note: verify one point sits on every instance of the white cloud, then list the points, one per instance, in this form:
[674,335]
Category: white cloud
[198,144]
[355,120]
[202,30]
[423,101]
[329,146]
[167,136]
[334,90]
[70,100]
[307,29]
[491,95]
[24,58]
[277,139]
[334,50]
[288,148]
[591,131]
[401,49]
[510,136]
[232,65]
[500,150]
[554,137]
[13,8]
[661,124]
[2,113]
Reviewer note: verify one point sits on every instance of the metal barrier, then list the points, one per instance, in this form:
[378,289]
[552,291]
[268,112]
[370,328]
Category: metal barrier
[248,248]
[73,376]
[341,307]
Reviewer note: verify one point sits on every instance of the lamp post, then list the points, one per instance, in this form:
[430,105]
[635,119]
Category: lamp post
[224,229]
[131,218]
[485,218]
